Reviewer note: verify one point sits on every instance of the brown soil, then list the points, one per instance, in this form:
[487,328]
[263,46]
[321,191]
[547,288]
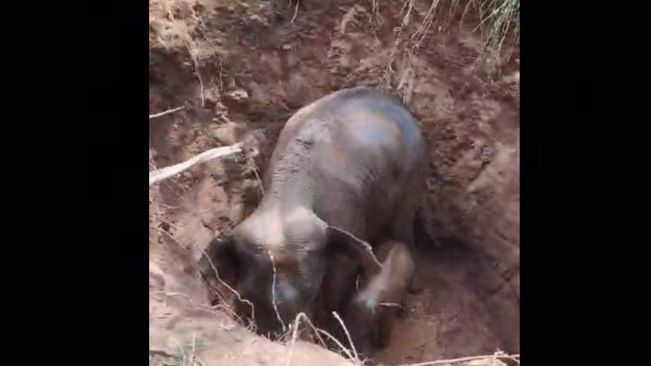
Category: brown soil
[450,317]
[255,68]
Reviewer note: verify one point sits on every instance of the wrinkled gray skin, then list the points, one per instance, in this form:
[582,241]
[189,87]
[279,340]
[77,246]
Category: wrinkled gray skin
[371,311]
[351,162]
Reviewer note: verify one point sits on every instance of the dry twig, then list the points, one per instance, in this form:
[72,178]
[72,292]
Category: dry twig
[350,340]
[273,291]
[239,297]
[319,332]
[164,173]
[197,73]
[367,247]
[156,115]
[295,11]
[294,337]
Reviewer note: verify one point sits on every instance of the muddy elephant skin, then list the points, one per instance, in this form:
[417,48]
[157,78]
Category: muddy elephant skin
[346,169]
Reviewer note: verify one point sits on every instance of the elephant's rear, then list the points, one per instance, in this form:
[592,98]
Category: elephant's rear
[357,156]
[362,109]
[380,153]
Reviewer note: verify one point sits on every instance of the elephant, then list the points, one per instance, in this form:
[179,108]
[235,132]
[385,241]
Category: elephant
[346,169]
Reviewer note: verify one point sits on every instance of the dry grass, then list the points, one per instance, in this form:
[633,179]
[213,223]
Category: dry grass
[292,334]
[294,329]
[495,20]
[498,20]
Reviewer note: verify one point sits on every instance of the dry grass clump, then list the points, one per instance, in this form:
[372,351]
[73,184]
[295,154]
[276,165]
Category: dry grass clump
[496,20]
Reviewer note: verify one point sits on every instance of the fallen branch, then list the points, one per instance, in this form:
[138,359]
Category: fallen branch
[152,116]
[164,173]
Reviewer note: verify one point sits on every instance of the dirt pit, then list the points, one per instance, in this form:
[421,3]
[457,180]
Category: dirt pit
[239,67]
[448,319]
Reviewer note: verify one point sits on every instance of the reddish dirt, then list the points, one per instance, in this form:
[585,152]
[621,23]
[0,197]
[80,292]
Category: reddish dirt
[257,67]
[449,318]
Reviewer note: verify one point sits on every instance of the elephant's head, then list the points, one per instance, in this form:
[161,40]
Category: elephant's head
[277,261]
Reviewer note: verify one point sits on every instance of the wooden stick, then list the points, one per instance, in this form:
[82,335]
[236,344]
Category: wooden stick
[164,173]
[152,116]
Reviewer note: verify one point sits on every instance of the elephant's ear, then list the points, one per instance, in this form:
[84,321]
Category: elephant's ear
[219,261]
[346,243]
